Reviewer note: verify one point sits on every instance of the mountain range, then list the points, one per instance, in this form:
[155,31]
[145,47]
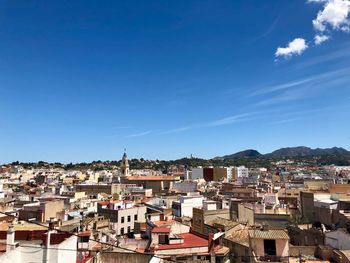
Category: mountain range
[300,151]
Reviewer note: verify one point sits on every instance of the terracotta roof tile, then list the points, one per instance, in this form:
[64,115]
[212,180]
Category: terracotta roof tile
[190,240]
[161,230]
[268,234]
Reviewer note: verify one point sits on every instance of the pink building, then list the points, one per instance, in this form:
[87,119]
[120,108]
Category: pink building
[270,245]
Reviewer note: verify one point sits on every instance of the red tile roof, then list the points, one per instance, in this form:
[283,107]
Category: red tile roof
[84,233]
[190,240]
[165,222]
[161,230]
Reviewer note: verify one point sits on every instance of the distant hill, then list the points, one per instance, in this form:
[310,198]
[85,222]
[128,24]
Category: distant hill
[243,154]
[300,151]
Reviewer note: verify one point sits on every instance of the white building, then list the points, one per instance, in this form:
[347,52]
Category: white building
[184,206]
[241,171]
[123,215]
[197,173]
[33,252]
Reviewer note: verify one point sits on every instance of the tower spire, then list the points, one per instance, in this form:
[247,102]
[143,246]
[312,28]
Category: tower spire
[125,164]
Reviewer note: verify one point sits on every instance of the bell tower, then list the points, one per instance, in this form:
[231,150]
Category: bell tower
[125,165]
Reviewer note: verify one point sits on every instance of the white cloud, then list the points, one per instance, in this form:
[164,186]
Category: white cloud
[320,39]
[334,14]
[295,47]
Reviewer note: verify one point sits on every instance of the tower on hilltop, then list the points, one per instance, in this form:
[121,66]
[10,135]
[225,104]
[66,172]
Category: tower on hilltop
[125,165]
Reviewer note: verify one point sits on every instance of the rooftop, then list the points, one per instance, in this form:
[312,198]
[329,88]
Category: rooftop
[22,227]
[268,234]
[153,178]
[190,240]
[161,230]
[241,237]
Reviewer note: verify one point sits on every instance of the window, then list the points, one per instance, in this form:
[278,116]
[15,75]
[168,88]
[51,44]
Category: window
[129,229]
[122,219]
[122,231]
[135,217]
[163,239]
[270,247]
[129,218]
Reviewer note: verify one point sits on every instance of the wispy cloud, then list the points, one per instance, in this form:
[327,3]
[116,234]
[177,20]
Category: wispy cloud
[280,87]
[304,83]
[219,122]
[285,121]
[139,134]
[231,119]
[313,87]
[176,130]
[340,53]
[287,95]
[267,31]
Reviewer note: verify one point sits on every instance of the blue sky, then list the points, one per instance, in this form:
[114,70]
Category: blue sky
[82,80]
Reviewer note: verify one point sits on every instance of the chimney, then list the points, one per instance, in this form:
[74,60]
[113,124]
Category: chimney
[10,237]
[210,242]
[161,217]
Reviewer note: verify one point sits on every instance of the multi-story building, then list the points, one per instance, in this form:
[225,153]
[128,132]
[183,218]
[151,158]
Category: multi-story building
[122,215]
[184,206]
[240,172]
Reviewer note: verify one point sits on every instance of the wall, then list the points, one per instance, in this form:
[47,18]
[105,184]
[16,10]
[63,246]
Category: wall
[20,255]
[338,240]
[178,228]
[198,220]
[219,173]
[140,211]
[273,220]
[51,208]
[282,247]
[295,251]
[122,257]
[245,215]
[339,188]
[182,251]
[36,254]
[68,252]
[323,215]
[307,206]
[208,174]
[185,186]
[94,188]
[197,173]
[240,251]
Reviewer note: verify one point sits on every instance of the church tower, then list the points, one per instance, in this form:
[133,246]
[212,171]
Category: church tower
[125,165]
